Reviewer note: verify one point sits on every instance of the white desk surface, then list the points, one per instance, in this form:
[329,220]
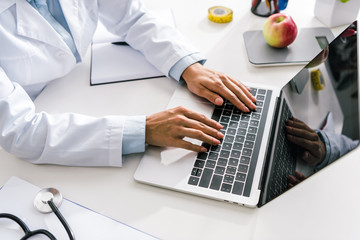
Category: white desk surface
[326,206]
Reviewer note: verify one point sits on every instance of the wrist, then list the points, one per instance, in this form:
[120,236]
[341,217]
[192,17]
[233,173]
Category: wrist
[190,71]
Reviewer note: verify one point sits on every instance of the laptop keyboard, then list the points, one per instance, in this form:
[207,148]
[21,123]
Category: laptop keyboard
[230,166]
[284,162]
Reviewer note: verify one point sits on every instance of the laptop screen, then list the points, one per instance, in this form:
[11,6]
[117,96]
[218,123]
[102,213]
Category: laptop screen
[322,124]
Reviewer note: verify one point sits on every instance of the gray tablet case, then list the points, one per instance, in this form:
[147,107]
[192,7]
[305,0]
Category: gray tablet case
[307,44]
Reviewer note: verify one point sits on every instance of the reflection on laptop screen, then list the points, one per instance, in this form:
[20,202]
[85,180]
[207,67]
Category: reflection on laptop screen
[318,119]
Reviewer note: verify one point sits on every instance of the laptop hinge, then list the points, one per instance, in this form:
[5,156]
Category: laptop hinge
[268,151]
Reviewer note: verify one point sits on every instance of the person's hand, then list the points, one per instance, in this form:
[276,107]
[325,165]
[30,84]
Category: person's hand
[313,150]
[293,180]
[168,128]
[214,85]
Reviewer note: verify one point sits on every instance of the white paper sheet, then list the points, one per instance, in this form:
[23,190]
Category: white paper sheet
[115,63]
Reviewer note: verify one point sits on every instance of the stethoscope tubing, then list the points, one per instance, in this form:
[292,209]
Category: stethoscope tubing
[25,228]
[61,219]
[29,233]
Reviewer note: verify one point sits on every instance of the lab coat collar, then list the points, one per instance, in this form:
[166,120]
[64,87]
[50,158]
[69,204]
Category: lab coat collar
[5,4]
[27,17]
[71,13]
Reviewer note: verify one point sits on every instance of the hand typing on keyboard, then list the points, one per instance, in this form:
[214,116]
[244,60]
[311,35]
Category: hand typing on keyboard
[170,127]
[313,150]
[213,86]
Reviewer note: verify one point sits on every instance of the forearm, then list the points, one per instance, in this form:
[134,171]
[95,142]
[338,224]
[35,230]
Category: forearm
[63,139]
[161,43]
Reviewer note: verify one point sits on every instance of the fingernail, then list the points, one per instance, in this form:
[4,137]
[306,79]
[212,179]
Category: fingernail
[219,101]
[220,135]
[216,142]
[203,149]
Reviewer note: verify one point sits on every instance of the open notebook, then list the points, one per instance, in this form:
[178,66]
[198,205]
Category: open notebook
[17,196]
[119,62]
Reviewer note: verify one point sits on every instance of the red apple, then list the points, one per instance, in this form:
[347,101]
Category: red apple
[279,30]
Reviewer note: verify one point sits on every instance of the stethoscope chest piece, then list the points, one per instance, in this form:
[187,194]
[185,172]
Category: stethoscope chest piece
[44,196]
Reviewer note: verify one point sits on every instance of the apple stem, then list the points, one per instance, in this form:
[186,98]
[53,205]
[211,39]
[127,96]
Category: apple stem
[279,19]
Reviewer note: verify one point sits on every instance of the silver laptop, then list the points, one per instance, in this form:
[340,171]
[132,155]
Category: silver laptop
[253,162]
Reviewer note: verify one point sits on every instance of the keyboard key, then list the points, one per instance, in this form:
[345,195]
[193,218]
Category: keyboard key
[224,154]
[196,172]
[206,176]
[199,163]
[216,114]
[239,138]
[231,131]
[254,123]
[245,160]
[202,155]
[260,97]
[256,116]
[216,182]
[233,124]
[240,177]
[224,119]
[235,118]
[238,146]
[226,146]
[253,91]
[238,188]
[247,152]
[219,170]
[235,154]
[236,111]
[249,144]
[229,106]
[251,137]
[222,161]
[243,168]
[210,164]
[245,117]
[243,124]
[231,170]
[229,139]
[193,181]
[241,131]
[262,91]
[226,113]
[206,145]
[215,148]
[259,103]
[233,162]
[226,187]
[229,178]
[213,155]
[252,130]
[258,110]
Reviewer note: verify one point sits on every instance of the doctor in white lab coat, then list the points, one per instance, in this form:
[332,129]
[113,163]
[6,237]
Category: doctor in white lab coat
[32,53]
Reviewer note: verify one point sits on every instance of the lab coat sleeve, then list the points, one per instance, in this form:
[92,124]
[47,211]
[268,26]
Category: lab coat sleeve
[337,145]
[161,43]
[62,139]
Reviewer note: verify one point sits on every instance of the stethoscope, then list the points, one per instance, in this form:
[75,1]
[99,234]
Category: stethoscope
[46,201]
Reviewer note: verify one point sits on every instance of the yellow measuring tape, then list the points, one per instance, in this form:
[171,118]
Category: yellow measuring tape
[317,79]
[220,14]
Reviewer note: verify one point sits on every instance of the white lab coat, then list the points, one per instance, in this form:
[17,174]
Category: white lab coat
[32,54]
